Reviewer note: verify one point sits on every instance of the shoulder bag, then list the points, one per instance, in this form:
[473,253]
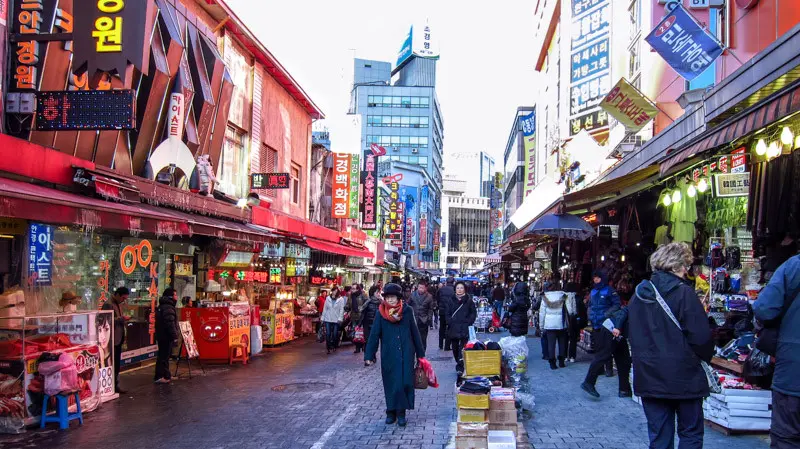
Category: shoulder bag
[711,376]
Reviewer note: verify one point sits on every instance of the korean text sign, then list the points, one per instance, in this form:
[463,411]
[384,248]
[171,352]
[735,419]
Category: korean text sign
[369,179]
[626,104]
[355,168]
[684,44]
[40,254]
[589,63]
[529,143]
[341,185]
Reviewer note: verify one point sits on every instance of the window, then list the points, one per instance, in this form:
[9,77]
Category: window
[269,164]
[295,186]
[233,164]
[634,62]
[423,101]
[397,121]
[423,160]
[423,122]
[635,17]
[388,101]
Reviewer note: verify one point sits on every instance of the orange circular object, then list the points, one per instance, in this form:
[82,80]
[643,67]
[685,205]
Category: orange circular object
[128,269]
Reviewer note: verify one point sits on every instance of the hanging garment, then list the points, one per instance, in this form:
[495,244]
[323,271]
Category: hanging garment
[662,235]
[683,215]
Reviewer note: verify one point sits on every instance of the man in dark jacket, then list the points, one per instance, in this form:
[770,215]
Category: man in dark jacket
[166,333]
[519,310]
[461,316]
[604,303]
[117,300]
[423,304]
[498,298]
[777,308]
[445,299]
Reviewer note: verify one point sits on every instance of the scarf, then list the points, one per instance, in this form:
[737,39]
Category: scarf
[391,314]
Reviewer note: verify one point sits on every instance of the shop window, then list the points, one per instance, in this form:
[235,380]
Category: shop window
[269,164]
[295,186]
[233,163]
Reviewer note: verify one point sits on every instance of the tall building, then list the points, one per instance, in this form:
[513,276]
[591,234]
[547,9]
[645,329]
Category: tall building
[466,225]
[477,168]
[405,119]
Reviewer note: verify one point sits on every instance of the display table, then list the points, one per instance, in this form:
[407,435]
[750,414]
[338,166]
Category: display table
[216,329]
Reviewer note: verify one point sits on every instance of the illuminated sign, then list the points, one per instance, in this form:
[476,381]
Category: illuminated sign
[85,109]
[341,185]
[269,181]
[369,179]
[355,168]
[732,184]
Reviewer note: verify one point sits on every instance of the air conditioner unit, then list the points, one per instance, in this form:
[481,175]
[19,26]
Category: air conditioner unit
[414,151]
[395,149]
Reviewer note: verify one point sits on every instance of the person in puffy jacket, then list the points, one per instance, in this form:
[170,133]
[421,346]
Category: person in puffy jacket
[462,315]
[518,309]
[444,300]
[369,310]
[166,333]
[777,308]
[554,311]
[666,358]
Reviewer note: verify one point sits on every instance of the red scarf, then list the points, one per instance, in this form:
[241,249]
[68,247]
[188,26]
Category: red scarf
[389,313]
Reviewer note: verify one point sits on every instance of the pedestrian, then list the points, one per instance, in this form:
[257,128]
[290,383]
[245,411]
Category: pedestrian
[461,316]
[117,300]
[577,321]
[498,298]
[518,309]
[369,310]
[667,356]
[604,303]
[552,285]
[332,318]
[433,291]
[554,312]
[166,333]
[401,345]
[423,305]
[445,298]
[778,311]
[357,299]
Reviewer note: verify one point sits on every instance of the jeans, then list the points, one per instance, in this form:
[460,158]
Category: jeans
[444,342]
[117,363]
[785,429]
[560,337]
[162,361]
[458,352]
[423,333]
[608,348]
[661,413]
[331,335]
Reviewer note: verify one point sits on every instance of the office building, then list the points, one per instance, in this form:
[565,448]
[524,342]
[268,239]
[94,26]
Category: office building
[477,168]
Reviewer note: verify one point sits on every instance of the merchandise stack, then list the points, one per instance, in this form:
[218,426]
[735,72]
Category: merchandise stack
[740,410]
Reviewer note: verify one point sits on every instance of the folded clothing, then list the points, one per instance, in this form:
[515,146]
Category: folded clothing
[476,385]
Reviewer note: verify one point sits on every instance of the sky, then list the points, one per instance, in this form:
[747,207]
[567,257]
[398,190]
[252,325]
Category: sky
[486,68]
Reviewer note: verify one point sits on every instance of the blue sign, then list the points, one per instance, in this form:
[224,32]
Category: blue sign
[589,61]
[405,50]
[588,94]
[40,254]
[684,44]
[591,25]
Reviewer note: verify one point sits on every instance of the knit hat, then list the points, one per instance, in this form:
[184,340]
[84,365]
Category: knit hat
[393,289]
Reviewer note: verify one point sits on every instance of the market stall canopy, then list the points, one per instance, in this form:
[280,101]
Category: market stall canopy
[540,199]
[614,189]
[336,248]
[492,258]
[562,226]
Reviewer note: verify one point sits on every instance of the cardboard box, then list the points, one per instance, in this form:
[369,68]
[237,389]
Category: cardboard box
[480,401]
[471,442]
[482,363]
[503,416]
[506,427]
[501,439]
[473,429]
[502,399]
[470,415]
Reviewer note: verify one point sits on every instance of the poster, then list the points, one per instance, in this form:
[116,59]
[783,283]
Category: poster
[188,339]
[239,324]
[529,144]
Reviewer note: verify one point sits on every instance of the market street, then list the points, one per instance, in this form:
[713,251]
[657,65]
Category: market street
[338,403]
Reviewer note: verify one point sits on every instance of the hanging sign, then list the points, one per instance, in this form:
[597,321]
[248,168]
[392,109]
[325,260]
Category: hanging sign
[684,44]
[529,145]
[732,184]
[739,160]
[369,180]
[341,185]
[626,104]
[85,109]
[269,181]
[355,169]
[40,254]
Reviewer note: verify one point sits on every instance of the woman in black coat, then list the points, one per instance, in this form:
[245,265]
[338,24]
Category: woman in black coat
[461,316]
[369,310]
[395,328]
[666,358]
[166,333]
[519,310]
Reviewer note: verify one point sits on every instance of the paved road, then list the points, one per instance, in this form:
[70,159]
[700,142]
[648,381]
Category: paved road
[338,404]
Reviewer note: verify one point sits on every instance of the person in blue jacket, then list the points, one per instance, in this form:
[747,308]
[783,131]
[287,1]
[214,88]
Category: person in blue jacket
[777,309]
[604,304]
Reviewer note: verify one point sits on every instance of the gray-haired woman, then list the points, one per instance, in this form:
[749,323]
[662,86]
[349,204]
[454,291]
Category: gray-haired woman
[666,358]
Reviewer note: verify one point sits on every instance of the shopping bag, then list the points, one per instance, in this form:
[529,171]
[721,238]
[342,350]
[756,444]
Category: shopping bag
[321,333]
[358,335]
[420,377]
[429,373]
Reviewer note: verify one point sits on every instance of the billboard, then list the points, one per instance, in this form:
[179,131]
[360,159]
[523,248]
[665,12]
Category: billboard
[341,185]
[418,42]
[529,144]
[590,68]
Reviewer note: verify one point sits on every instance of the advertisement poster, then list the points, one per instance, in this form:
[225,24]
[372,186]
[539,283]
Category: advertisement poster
[277,328]
[590,66]
[341,185]
[626,104]
[188,339]
[239,324]
[529,144]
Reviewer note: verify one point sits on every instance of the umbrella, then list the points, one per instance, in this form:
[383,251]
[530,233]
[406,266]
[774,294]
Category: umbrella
[562,226]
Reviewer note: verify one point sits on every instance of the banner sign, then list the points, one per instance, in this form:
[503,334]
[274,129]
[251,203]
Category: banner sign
[369,181]
[684,44]
[732,184]
[269,180]
[589,122]
[424,197]
[529,144]
[355,169]
[626,104]
[40,254]
[341,185]
[590,67]
[739,160]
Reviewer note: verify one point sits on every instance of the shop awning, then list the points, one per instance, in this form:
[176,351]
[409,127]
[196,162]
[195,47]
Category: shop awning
[740,125]
[616,188]
[336,248]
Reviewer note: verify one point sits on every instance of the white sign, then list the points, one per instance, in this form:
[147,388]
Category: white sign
[106,383]
[423,45]
[732,184]
[698,4]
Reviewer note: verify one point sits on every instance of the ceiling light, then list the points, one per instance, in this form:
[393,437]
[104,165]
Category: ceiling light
[241,203]
[773,150]
[667,200]
[796,142]
[761,147]
[786,136]
[676,196]
[691,191]
[702,185]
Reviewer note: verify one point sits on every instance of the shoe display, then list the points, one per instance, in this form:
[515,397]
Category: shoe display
[590,389]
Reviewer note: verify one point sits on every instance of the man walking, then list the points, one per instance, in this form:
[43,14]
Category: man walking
[117,300]
[777,309]
[423,305]
[498,298]
[445,297]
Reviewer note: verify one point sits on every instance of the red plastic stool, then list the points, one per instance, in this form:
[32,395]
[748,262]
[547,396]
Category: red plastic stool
[238,354]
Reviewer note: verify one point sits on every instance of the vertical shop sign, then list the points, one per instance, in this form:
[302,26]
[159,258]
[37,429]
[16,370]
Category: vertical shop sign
[590,56]
[369,179]
[529,143]
[110,34]
[739,160]
[685,45]
[102,283]
[436,244]
[40,254]
[424,197]
[341,185]
[353,189]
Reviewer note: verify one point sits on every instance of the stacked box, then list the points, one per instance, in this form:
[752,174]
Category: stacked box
[500,439]
[740,409]
[469,415]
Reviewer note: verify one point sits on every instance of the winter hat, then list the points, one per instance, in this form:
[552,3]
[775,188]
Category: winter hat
[393,289]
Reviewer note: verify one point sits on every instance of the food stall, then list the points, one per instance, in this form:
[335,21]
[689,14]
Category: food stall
[218,327]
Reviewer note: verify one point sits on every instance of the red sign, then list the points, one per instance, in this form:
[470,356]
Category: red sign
[739,160]
[269,181]
[341,185]
[85,109]
[695,174]
[323,280]
[377,150]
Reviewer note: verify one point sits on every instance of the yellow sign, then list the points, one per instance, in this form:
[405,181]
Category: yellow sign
[626,104]
[12,226]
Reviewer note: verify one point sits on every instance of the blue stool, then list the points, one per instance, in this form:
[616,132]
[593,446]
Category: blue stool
[62,416]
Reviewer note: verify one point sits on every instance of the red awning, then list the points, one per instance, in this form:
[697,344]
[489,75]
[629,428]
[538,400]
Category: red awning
[292,226]
[336,248]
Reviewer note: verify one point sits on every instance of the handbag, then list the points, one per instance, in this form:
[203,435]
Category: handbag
[420,377]
[711,376]
[358,334]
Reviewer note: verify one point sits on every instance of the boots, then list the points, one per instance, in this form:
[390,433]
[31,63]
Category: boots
[561,363]
[401,418]
[391,416]
[553,364]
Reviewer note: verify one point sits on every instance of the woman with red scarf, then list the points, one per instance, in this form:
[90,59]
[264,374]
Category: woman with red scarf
[395,328]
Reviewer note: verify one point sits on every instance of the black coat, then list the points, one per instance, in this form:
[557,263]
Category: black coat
[666,360]
[519,311]
[423,307]
[461,317]
[166,319]
[368,314]
[445,297]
